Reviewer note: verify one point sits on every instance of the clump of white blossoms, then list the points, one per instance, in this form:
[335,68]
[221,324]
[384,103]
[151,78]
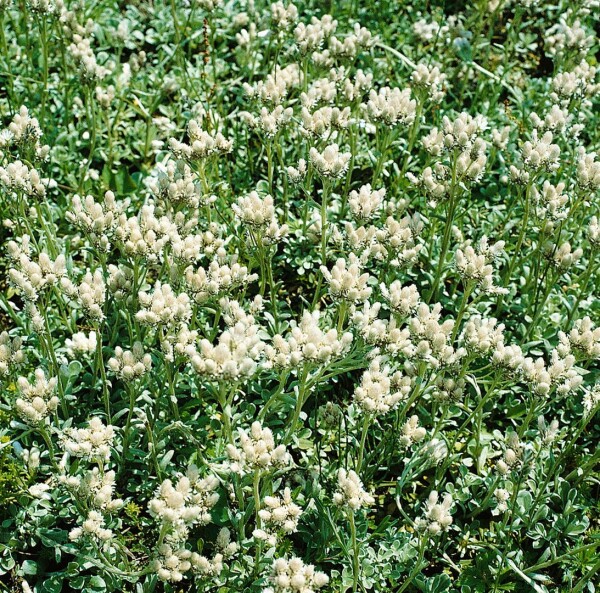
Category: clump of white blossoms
[186,503]
[257,451]
[482,334]
[24,132]
[11,353]
[346,282]
[280,514]
[391,107]
[402,300]
[37,400]
[97,220]
[80,343]
[259,214]
[331,163]
[437,517]
[584,338]
[92,527]
[203,144]
[350,491]
[130,364]
[237,351]
[412,432]
[366,202]
[306,341]
[93,443]
[512,453]
[540,153]
[473,265]
[293,576]
[163,307]
[375,393]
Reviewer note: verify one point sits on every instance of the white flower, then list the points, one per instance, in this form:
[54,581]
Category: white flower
[350,491]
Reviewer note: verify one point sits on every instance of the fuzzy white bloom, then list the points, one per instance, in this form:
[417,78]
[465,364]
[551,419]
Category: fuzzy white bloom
[591,399]
[346,281]
[563,257]
[172,563]
[163,306]
[551,201]
[320,123]
[584,338]
[448,389]
[11,354]
[331,163]
[280,514]
[82,53]
[306,341]
[177,184]
[564,38]
[186,503]
[93,527]
[24,132]
[297,174]
[502,497]
[350,491]
[431,80]
[293,576]
[130,364]
[268,122]
[399,238]
[540,154]
[482,334]
[36,400]
[402,300]
[375,393]
[283,16]
[434,181]
[203,144]
[513,451]
[93,442]
[257,451]
[96,488]
[391,107]
[17,178]
[275,88]
[91,294]
[431,337]
[310,37]
[259,214]
[97,220]
[237,350]
[588,171]
[437,517]
[473,265]
[509,358]
[366,202]
[593,232]
[411,432]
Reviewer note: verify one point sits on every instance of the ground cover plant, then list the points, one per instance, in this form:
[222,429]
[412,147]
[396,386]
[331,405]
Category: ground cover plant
[299,298]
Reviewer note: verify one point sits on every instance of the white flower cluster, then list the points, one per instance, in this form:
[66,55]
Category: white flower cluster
[375,394]
[391,107]
[551,201]
[473,265]
[513,452]
[584,338]
[93,527]
[203,144]
[293,576]
[279,515]
[163,307]
[275,88]
[186,503]
[430,80]
[97,220]
[366,202]
[24,132]
[588,171]
[36,400]
[237,351]
[17,178]
[268,122]
[259,214]
[257,451]
[350,491]
[306,341]
[482,334]
[83,54]
[31,278]
[220,277]
[411,432]
[346,283]
[176,184]
[331,163]
[310,37]
[540,154]
[437,514]
[130,364]
[11,354]
[93,442]
[402,300]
